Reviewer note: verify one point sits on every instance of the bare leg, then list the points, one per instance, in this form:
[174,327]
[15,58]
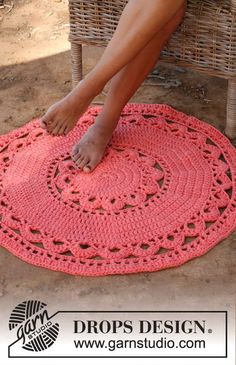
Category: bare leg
[139,22]
[88,152]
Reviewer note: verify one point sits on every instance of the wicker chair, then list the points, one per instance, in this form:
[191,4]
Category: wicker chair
[205,40]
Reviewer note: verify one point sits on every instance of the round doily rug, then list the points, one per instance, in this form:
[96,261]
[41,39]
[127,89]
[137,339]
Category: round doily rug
[163,194]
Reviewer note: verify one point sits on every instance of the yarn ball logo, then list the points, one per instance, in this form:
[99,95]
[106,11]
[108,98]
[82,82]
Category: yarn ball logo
[34,327]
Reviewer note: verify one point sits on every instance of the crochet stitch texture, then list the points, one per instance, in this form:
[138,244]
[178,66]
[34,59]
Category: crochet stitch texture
[163,194]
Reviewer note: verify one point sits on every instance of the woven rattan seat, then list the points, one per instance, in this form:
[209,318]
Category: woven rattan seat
[205,40]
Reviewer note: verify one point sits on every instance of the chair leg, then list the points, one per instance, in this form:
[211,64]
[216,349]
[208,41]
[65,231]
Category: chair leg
[230,129]
[233,6]
[76,63]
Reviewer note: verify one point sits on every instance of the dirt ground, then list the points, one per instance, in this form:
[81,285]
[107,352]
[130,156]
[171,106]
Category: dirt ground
[35,71]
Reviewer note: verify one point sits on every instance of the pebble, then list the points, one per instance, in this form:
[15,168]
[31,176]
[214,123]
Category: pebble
[49,14]
[180,69]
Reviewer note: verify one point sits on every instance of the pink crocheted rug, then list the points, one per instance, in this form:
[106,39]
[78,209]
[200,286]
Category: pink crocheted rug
[163,194]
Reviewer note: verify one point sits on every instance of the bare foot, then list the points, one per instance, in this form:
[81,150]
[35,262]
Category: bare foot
[89,151]
[62,116]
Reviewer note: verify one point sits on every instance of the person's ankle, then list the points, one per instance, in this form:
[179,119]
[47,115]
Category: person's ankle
[104,121]
[82,92]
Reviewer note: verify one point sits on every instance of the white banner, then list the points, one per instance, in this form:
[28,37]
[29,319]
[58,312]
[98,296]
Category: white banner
[35,332]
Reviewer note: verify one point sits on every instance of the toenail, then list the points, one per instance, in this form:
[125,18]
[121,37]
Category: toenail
[87,167]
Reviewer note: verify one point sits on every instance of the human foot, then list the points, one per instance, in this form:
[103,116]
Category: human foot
[89,151]
[62,116]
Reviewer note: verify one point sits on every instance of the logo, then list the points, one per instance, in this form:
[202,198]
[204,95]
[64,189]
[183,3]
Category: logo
[33,326]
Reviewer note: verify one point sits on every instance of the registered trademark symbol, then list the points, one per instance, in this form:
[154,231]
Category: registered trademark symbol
[210,330]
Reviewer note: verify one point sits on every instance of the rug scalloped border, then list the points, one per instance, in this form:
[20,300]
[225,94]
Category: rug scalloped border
[103,268]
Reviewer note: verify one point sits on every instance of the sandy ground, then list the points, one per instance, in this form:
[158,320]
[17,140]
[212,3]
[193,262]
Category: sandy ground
[35,72]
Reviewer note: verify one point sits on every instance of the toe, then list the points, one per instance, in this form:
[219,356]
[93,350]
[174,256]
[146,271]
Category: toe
[42,124]
[78,160]
[49,126]
[84,162]
[75,150]
[68,129]
[76,155]
[47,118]
[87,169]
[52,124]
[81,162]
[61,130]
[57,127]
[90,166]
